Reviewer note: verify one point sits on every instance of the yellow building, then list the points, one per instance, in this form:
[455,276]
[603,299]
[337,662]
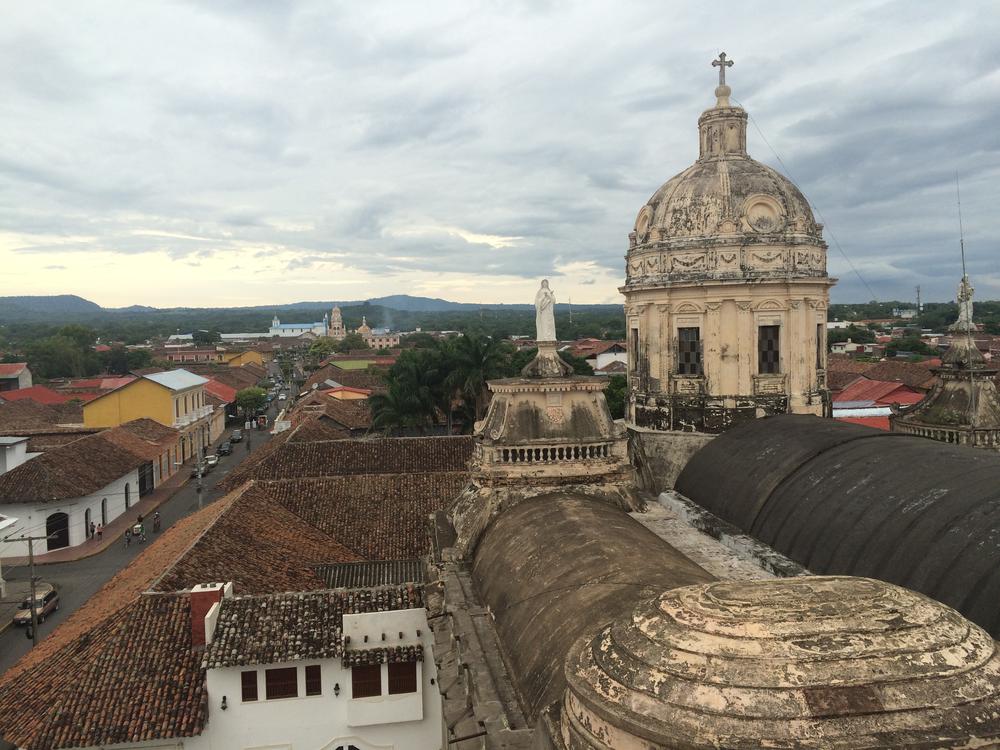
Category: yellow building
[238,359]
[175,398]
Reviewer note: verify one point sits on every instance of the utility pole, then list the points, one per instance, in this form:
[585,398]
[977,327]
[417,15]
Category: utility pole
[919,310]
[33,628]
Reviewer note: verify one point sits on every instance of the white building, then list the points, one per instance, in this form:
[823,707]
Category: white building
[281,671]
[288,330]
[14,376]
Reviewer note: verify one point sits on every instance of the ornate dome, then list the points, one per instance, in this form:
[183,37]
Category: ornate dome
[810,662]
[725,192]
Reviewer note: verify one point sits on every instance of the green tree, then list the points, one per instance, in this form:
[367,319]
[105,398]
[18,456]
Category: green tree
[351,341]
[116,360]
[478,359]
[909,344]
[204,338]
[139,358]
[251,399]
[61,356]
[82,336]
[852,332]
[615,393]
[419,340]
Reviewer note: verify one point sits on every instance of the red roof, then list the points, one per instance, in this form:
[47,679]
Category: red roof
[102,348]
[12,370]
[879,423]
[37,393]
[221,391]
[880,391]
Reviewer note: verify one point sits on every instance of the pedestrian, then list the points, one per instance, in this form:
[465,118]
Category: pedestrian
[156,521]
[100,531]
[93,529]
[128,537]
[142,533]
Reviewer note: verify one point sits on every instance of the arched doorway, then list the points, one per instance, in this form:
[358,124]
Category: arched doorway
[128,496]
[57,531]
[104,512]
[86,523]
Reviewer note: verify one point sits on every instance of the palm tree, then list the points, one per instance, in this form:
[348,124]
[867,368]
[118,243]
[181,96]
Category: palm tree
[477,358]
[412,397]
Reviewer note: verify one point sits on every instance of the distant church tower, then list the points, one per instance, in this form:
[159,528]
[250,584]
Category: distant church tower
[726,290]
[337,330]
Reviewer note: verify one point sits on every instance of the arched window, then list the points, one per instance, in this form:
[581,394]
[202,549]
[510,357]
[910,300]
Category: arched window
[128,495]
[104,512]
[86,523]
[57,531]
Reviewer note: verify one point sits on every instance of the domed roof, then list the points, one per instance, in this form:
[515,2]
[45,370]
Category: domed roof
[725,192]
[720,196]
[810,662]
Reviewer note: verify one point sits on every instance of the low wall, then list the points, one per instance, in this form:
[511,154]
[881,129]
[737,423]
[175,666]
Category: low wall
[659,455]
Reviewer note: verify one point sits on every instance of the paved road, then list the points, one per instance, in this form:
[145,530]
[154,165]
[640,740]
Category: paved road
[77,581]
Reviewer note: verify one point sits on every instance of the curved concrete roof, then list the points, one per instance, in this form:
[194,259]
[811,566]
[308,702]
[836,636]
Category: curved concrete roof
[849,500]
[562,566]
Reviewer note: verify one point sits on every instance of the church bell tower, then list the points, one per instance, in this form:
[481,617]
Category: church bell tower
[726,290]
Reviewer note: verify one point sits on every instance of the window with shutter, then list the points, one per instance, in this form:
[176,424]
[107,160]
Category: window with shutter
[689,351]
[314,682]
[249,685]
[403,678]
[768,350]
[366,681]
[281,683]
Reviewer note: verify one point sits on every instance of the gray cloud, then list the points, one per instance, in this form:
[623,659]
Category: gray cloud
[330,131]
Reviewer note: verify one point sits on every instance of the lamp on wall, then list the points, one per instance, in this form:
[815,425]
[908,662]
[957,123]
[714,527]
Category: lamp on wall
[336,689]
[224,705]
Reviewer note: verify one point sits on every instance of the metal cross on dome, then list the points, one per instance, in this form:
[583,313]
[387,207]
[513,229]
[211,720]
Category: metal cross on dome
[722,63]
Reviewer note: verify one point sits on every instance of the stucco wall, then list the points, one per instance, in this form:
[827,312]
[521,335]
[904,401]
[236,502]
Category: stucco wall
[660,456]
[31,517]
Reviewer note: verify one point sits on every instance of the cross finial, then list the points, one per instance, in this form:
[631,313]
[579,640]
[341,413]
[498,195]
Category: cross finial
[722,63]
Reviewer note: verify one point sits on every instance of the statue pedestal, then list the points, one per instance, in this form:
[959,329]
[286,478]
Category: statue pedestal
[547,363]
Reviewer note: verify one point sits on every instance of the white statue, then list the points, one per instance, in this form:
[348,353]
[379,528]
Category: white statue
[964,322]
[545,317]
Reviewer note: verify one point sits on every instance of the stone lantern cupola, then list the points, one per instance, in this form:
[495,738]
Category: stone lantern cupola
[726,290]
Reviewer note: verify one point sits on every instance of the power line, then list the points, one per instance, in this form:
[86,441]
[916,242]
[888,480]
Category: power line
[819,213]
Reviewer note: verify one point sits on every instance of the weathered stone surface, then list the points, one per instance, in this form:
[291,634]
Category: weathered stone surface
[724,248]
[850,500]
[560,566]
[810,662]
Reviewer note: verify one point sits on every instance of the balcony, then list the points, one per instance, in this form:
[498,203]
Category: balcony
[551,454]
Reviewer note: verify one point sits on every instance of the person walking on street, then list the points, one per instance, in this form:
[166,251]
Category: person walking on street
[128,537]
[142,532]
[156,521]
[93,529]
[100,531]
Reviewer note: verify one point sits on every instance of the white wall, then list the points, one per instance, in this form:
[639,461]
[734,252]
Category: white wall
[32,516]
[323,721]
[14,455]
[606,358]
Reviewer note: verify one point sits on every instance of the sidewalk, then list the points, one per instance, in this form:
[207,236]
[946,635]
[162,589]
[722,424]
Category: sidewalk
[115,530]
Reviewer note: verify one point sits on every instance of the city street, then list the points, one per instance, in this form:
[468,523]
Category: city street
[78,580]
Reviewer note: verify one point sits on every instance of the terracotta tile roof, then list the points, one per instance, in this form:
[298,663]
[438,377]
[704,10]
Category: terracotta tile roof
[837,381]
[310,428]
[26,414]
[879,391]
[354,415]
[356,575]
[72,470]
[41,442]
[12,370]
[879,423]
[152,431]
[836,363]
[37,393]
[377,516]
[258,545]
[374,456]
[225,393]
[293,626]
[910,373]
[371,379]
[65,685]
[129,438]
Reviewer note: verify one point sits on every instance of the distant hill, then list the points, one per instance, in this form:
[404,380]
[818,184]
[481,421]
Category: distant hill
[55,309]
[19,308]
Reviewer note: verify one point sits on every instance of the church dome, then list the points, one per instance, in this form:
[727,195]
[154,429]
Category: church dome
[725,194]
[808,662]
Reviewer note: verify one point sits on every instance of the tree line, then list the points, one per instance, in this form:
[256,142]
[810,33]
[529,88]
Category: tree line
[442,382]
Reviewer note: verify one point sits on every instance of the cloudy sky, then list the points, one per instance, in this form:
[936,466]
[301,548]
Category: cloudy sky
[256,151]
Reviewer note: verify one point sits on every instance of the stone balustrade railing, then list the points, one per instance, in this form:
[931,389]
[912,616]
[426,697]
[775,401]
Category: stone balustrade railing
[550,453]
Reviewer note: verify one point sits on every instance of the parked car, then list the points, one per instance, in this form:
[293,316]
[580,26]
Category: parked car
[46,602]
[282,397]
[225,449]
[205,468]
[212,460]
[236,436]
